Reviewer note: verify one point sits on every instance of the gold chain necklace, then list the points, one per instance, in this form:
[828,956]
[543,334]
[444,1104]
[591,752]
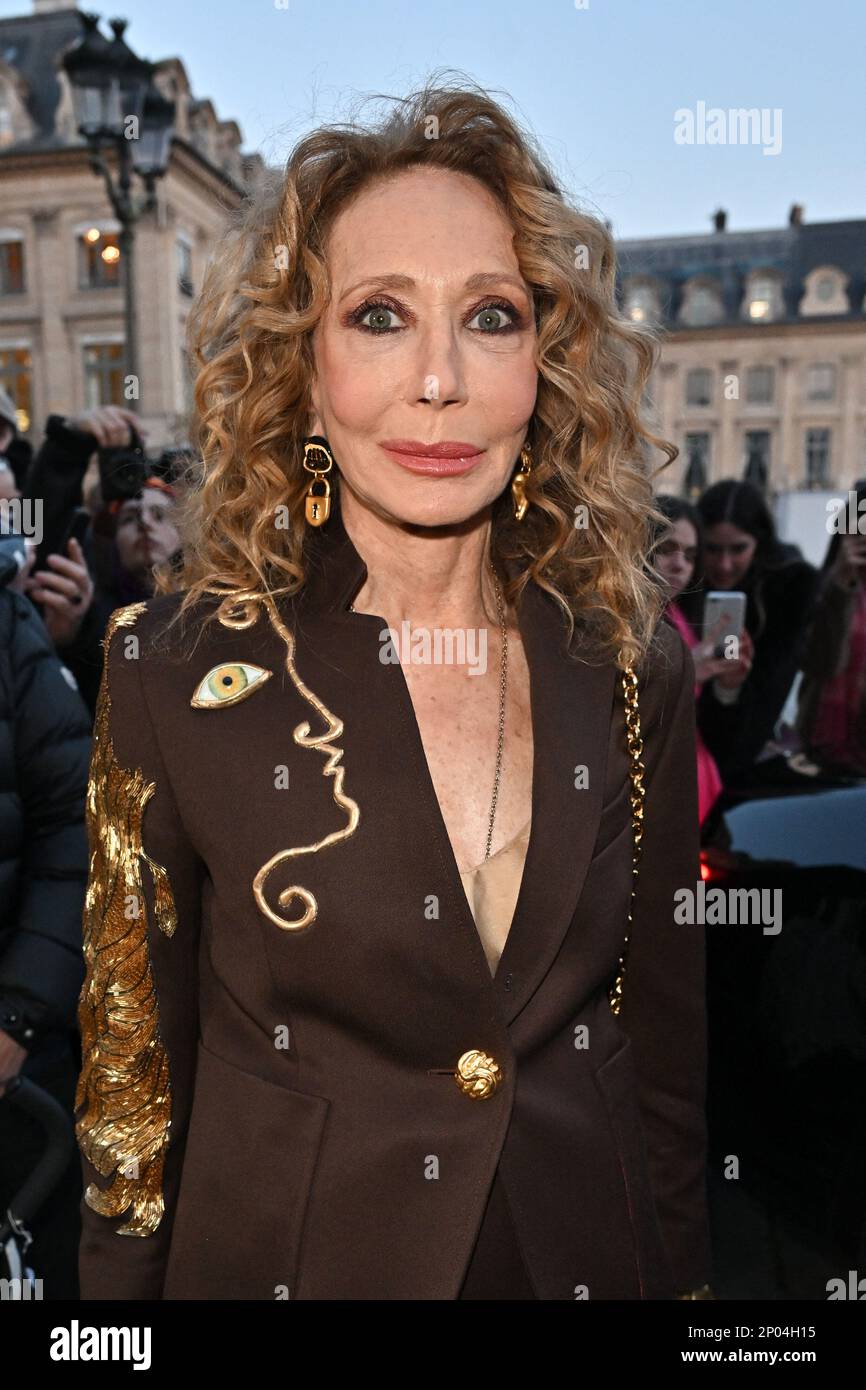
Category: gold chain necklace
[503,683]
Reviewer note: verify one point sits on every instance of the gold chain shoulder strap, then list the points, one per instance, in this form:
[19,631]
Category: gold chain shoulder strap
[636,772]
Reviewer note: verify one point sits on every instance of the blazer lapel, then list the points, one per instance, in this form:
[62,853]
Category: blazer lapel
[572,704]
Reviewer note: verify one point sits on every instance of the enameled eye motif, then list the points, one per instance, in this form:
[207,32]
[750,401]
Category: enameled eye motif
[228,683]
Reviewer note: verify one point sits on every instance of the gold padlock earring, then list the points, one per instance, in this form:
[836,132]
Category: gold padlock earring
[518,483]
[317,506]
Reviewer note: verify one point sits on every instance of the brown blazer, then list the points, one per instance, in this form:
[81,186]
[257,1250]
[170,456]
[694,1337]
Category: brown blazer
[268,1112]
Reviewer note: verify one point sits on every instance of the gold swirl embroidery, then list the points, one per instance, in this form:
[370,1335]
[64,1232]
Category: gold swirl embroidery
[124,1083]
[239,611]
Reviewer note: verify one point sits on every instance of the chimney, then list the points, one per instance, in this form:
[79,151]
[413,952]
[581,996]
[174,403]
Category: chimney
[720,220]
[48,6]
[795,216]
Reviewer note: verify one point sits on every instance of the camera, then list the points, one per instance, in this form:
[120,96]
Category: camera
[123,470]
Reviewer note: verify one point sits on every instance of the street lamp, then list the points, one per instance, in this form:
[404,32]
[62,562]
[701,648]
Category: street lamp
[118,107]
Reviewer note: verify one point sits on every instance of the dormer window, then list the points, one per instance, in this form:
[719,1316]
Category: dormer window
[7,125]
[825,291]
[16,121]
[702,304]
[641,301]
[763,299]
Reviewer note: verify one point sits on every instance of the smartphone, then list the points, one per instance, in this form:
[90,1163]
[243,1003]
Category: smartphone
[724,617]
[77,529]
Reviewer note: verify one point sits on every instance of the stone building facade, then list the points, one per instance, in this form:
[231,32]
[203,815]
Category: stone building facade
[762,370]
[61,295]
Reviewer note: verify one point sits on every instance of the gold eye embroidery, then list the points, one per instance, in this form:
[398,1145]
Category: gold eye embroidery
[228,683]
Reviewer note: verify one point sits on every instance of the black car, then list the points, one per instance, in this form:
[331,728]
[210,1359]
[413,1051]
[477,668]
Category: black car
[787,1040]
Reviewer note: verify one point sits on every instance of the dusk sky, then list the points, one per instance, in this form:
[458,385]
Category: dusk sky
[598,85]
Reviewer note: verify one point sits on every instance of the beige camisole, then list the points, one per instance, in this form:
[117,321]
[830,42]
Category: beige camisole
[492,890]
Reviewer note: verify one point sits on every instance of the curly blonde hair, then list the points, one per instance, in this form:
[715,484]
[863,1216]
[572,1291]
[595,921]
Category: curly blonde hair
[590,524]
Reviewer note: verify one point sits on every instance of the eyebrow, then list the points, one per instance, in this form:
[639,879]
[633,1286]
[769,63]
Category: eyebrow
[481,281]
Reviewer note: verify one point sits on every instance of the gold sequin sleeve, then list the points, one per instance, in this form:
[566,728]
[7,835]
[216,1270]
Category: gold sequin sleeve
[138,1009]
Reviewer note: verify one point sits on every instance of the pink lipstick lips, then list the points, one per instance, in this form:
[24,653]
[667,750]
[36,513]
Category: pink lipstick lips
[447,459]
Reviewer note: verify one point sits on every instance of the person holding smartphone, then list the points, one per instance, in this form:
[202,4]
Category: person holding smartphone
[677,556]
[831,715]
[742,552]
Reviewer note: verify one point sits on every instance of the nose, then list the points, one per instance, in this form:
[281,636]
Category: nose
[440,367]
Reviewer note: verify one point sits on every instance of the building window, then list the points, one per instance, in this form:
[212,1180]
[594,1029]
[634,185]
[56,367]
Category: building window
[825,291]
[641,303]
[186,385]
[184,266]
[825,288]
[697,472]
[817,458]
[98,260]
[702,305]
[16,377]
[12,267]
[7,124]
[757,467]
[699,386]
[760,382]
[821,382]
[103,374]
[763,300]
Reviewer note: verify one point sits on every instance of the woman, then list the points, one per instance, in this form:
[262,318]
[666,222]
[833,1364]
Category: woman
[743,552]
[677,556]
[309,1072]
[831,714]
[128,536]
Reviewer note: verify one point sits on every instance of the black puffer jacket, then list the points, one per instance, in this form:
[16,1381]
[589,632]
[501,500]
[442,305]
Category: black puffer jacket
[44,761]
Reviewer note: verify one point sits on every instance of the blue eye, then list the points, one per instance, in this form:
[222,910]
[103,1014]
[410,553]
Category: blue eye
[228,683]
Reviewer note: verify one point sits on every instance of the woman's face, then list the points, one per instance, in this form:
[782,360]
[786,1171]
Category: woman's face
[676,555]
[146,534]
[442,354]
[728,554]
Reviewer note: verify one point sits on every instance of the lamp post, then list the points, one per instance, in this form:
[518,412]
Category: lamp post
[118,108]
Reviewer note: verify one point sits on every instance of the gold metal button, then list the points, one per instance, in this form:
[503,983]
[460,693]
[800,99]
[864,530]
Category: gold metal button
[477,1074]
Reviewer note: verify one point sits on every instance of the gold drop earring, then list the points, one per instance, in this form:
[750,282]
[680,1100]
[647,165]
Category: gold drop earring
[518,483]
[317,506]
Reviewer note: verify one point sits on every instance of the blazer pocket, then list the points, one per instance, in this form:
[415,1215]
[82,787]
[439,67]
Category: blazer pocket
[617,1081]
[251,1153]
